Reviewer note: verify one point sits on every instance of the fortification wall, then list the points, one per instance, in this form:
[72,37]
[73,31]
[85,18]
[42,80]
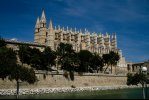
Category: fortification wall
[61,81]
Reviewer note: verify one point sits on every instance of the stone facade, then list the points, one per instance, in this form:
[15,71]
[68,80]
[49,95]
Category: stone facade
[93,42]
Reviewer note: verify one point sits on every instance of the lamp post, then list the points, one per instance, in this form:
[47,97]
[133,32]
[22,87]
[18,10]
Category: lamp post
[144,71]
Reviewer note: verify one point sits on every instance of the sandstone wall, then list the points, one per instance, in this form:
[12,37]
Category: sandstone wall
[61,81]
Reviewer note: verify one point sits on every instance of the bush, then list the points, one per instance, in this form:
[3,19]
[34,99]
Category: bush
[72,86]
[71,74]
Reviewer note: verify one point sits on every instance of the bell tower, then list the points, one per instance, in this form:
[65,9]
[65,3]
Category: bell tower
[43,28]
[37,29]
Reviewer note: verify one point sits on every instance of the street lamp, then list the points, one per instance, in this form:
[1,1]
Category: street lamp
[144,71]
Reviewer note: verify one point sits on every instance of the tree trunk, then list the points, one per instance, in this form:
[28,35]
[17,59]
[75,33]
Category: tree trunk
[17,95]
[111,69]
[106,68]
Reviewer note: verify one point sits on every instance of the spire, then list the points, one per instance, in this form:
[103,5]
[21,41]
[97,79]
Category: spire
[85,30]
[67,29]
[80,31]
[59,27]
[63,29]
[55,27]
[43,18]
[75,30]
[107,34]
[50,25]
[114,35]
[37,23]
[100,34]
[70,29]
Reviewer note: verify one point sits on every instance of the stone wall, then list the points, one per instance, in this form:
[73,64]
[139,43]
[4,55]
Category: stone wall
[61,81]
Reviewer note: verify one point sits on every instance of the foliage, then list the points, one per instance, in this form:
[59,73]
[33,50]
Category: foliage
[136,79]
[48,58]
[96,62]
[66,57]
[111,59]
[84,59]
[35,58]
[23,74]
[7,61]
[2,42]
[24,54]
[9,67]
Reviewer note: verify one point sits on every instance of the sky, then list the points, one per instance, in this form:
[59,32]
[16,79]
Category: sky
[128,18]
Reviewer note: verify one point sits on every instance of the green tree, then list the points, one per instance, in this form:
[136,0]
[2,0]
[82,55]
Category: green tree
[36,60]
[66,56]
[114,58]
[137,78]
[48,58]
[23,74]
[106,60]
[2,42]
[84,59]
[24,54]
[7,61]
[111,59]
[96,62]
[10,68]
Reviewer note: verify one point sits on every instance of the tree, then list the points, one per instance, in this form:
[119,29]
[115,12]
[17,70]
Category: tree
[111,59]
[106,60]
[96,62]
[10,68]
[114,58]
[7,61]
[66,56]
[48,58]
[36,59]
[2,42]
[138,78]
[84,59]
[24,54]
[20,73]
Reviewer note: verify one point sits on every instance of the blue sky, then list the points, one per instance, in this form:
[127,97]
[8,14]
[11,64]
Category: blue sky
[128,18]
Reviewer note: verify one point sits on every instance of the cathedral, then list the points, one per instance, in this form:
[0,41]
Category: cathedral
[95,43]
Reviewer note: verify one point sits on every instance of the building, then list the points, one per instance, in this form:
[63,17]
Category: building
[93,42]
[137,67]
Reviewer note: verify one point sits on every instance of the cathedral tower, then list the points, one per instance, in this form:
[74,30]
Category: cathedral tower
[43,29]
[37,29]
[50,36]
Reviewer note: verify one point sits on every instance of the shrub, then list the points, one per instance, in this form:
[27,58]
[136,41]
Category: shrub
[72,86]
